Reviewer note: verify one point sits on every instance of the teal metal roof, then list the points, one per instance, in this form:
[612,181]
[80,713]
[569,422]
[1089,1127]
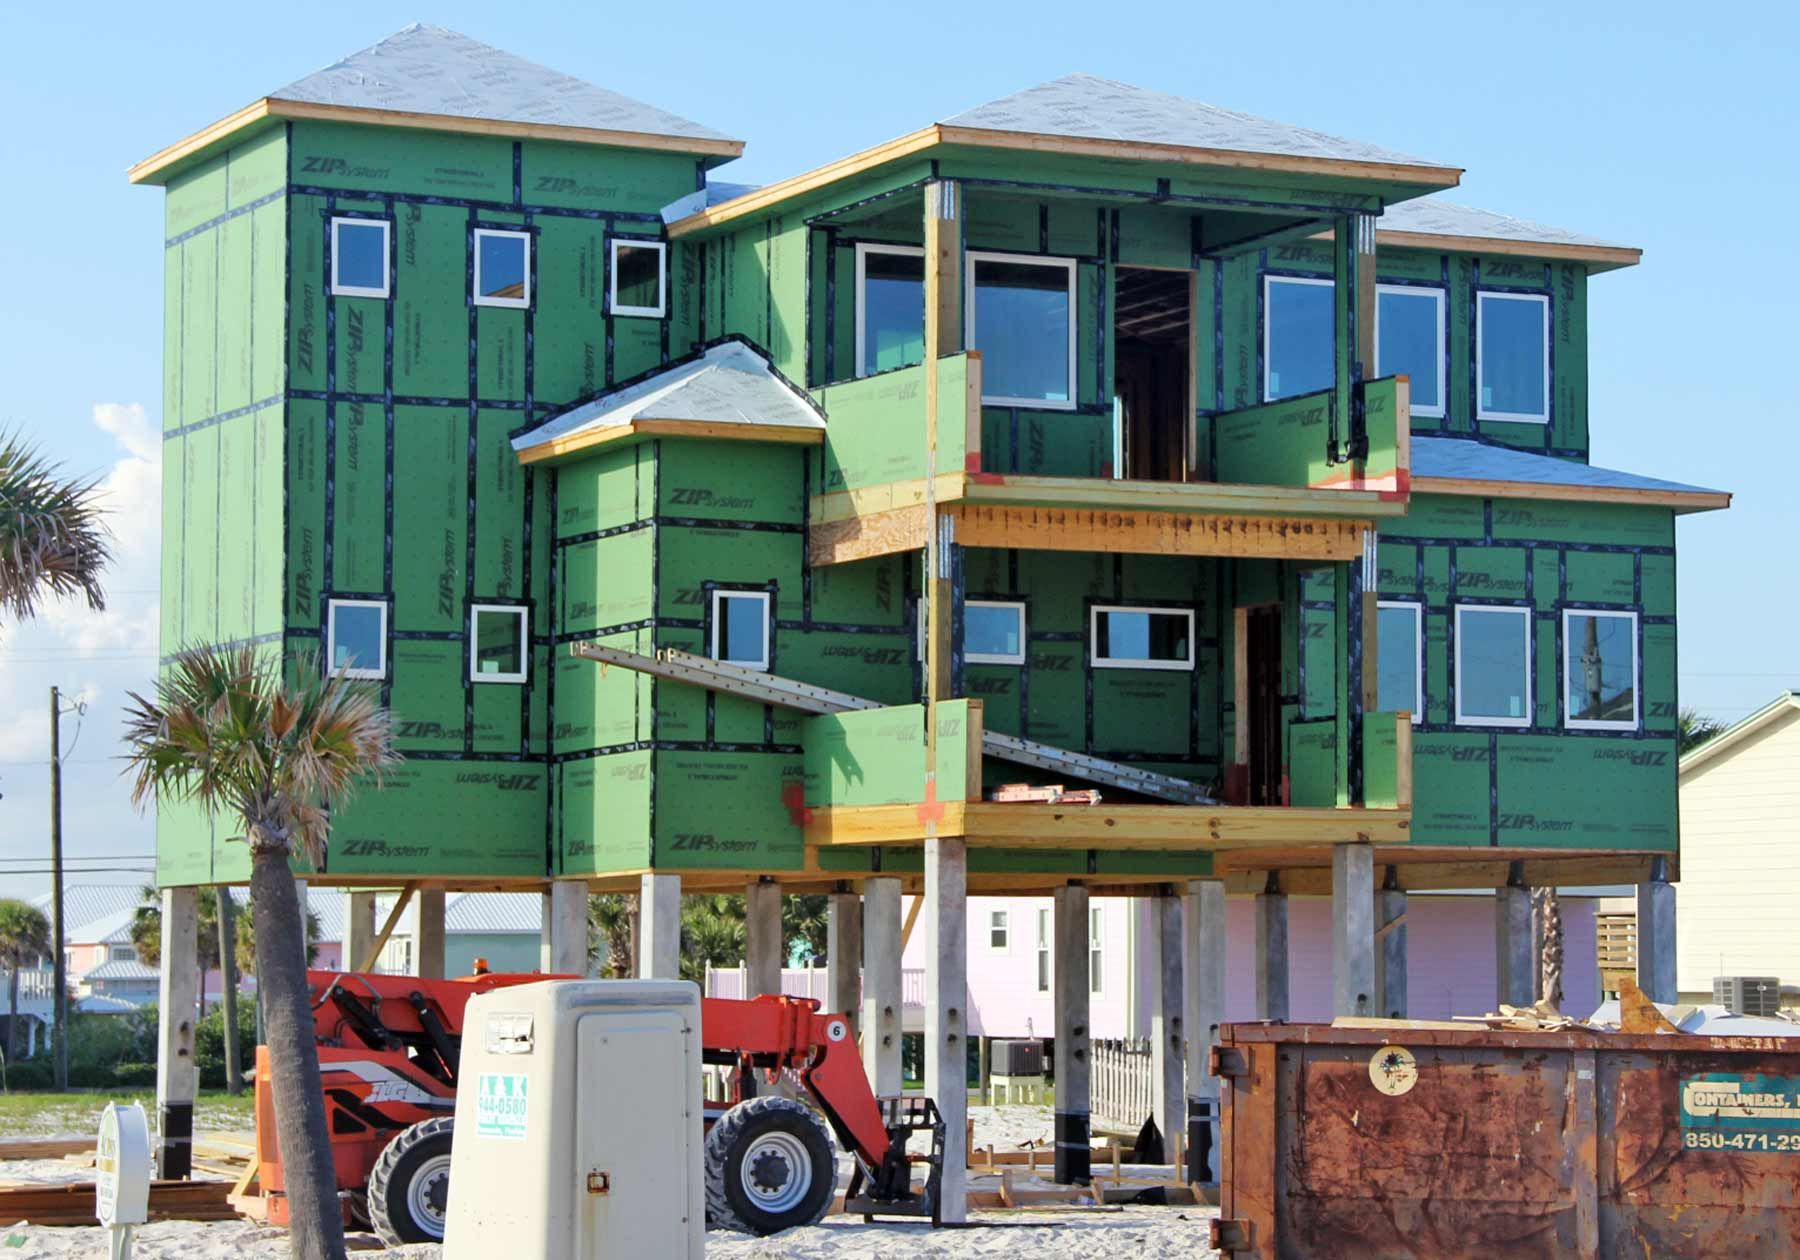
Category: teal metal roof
[1471,459]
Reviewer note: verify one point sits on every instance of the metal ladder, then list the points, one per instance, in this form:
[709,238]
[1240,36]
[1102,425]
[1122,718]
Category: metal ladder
[751,684]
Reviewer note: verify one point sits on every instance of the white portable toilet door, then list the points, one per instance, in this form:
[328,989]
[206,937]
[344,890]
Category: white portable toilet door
[636,1143]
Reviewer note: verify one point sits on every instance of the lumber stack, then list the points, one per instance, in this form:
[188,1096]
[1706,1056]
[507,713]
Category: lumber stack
[44,1148]
[73,1203]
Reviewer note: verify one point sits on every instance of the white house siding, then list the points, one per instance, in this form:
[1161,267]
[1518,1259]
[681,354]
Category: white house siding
[1737,907]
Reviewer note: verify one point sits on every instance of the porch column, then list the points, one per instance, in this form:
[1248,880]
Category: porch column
[1656,935]
[762,936]
[1390,949]
[427,933]
[1205,1012]
[1515,972]
[359,932]
[946,1014]
[1270,977]
[1073,1064]
[1168,1042]
[178,997]
[1353,929]
[843,955]
[659,927]
[881,996]
[563,937]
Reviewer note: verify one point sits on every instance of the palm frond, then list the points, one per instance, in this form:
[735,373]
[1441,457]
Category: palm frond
[52,539]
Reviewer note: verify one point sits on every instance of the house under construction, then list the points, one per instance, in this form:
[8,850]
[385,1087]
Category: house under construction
[710,537]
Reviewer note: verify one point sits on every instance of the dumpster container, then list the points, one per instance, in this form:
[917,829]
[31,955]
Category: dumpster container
[1406,1141]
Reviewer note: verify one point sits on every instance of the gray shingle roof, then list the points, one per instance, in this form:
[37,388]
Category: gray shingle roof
[1448,218]
[430,70]
[1091,108]
[1471,460]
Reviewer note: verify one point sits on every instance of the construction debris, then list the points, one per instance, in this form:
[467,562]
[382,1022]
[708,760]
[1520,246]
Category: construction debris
[1046,794]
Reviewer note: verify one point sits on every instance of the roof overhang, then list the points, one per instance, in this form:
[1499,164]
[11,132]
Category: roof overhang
[1679,500]
[1597,257]
[1425,178]
[1781,708]
[640,430]
[159,167]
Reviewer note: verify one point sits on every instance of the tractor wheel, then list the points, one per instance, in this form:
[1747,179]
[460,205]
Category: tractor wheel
[409,1189]
[770,1166]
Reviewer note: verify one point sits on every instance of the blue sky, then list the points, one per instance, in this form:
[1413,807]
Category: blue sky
[1650,124]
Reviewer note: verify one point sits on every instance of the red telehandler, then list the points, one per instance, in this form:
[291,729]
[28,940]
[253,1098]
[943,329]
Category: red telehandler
[388,1051]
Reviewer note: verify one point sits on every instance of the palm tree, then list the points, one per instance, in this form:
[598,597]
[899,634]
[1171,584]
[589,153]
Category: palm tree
[51,538]
[612,926]
[24,939]
[1693,728]
[228,732]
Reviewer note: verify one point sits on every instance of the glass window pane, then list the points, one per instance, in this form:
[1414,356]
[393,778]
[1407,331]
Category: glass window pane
[1022,330]
[1601,651]
[356,638]
[360,260]
[499,641]
[1300,331]
[1410,324]
[1142,635]
[893,299]
[1491,647]
[740,630]
[501,269]
[638,279]
[1512,355]
[1397,669]
[993,630]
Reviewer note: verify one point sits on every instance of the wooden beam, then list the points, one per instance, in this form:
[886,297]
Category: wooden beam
[859,537]
[1306,872]
[1157,533]
[1680,500]
[1184,828]
[912,917]
[387,929]
[1180,496]
[272,107]
[1606,255]
[725,430]
[1240,686]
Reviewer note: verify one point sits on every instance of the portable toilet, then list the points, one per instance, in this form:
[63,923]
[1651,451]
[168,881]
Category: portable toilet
[579,1123]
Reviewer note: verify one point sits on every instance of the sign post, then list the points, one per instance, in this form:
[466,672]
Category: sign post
[122,1174]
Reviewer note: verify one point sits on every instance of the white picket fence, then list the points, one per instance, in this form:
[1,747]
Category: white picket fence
[1123,1084]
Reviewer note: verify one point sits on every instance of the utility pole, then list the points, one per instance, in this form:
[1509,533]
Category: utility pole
[59,1030]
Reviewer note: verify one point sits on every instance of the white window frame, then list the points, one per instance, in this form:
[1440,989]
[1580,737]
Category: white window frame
[1418,612]
[1530,704]
[1096,950]
[718,623]
[363,671]
[1118,662]
[1045,964]
[1516,417]
[1269,328]
[518,303]
[662,276]
[999,921]
[1436,293]
[387,257]
[994,658]
[973,256]
[523,615]
[863,250]
[1637,709]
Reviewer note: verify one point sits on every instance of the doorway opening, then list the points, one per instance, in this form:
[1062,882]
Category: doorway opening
[1153,414]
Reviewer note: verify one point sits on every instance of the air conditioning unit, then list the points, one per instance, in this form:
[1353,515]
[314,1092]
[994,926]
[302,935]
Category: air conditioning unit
[1016,1058]
[1748,995]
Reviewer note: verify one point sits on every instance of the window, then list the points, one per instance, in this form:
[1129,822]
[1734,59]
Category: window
[123,953]
[502,268]
[1298,330]
[359,257]
[356,637]
[1021,316]
[499,640]
[1493,666]
[993,632]
[890,307]
[1601,663]
[997,929]
[1512,359]
[1142,638]
[637,278]
[1409,341]
[740,628]
[1096,950]
[1400,663]
[1043,951]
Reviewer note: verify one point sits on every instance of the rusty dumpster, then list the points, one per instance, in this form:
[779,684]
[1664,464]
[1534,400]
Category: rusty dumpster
[1405,1141]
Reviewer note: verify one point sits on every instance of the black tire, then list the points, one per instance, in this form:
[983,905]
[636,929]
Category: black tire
[409,1189]
[770,1166]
